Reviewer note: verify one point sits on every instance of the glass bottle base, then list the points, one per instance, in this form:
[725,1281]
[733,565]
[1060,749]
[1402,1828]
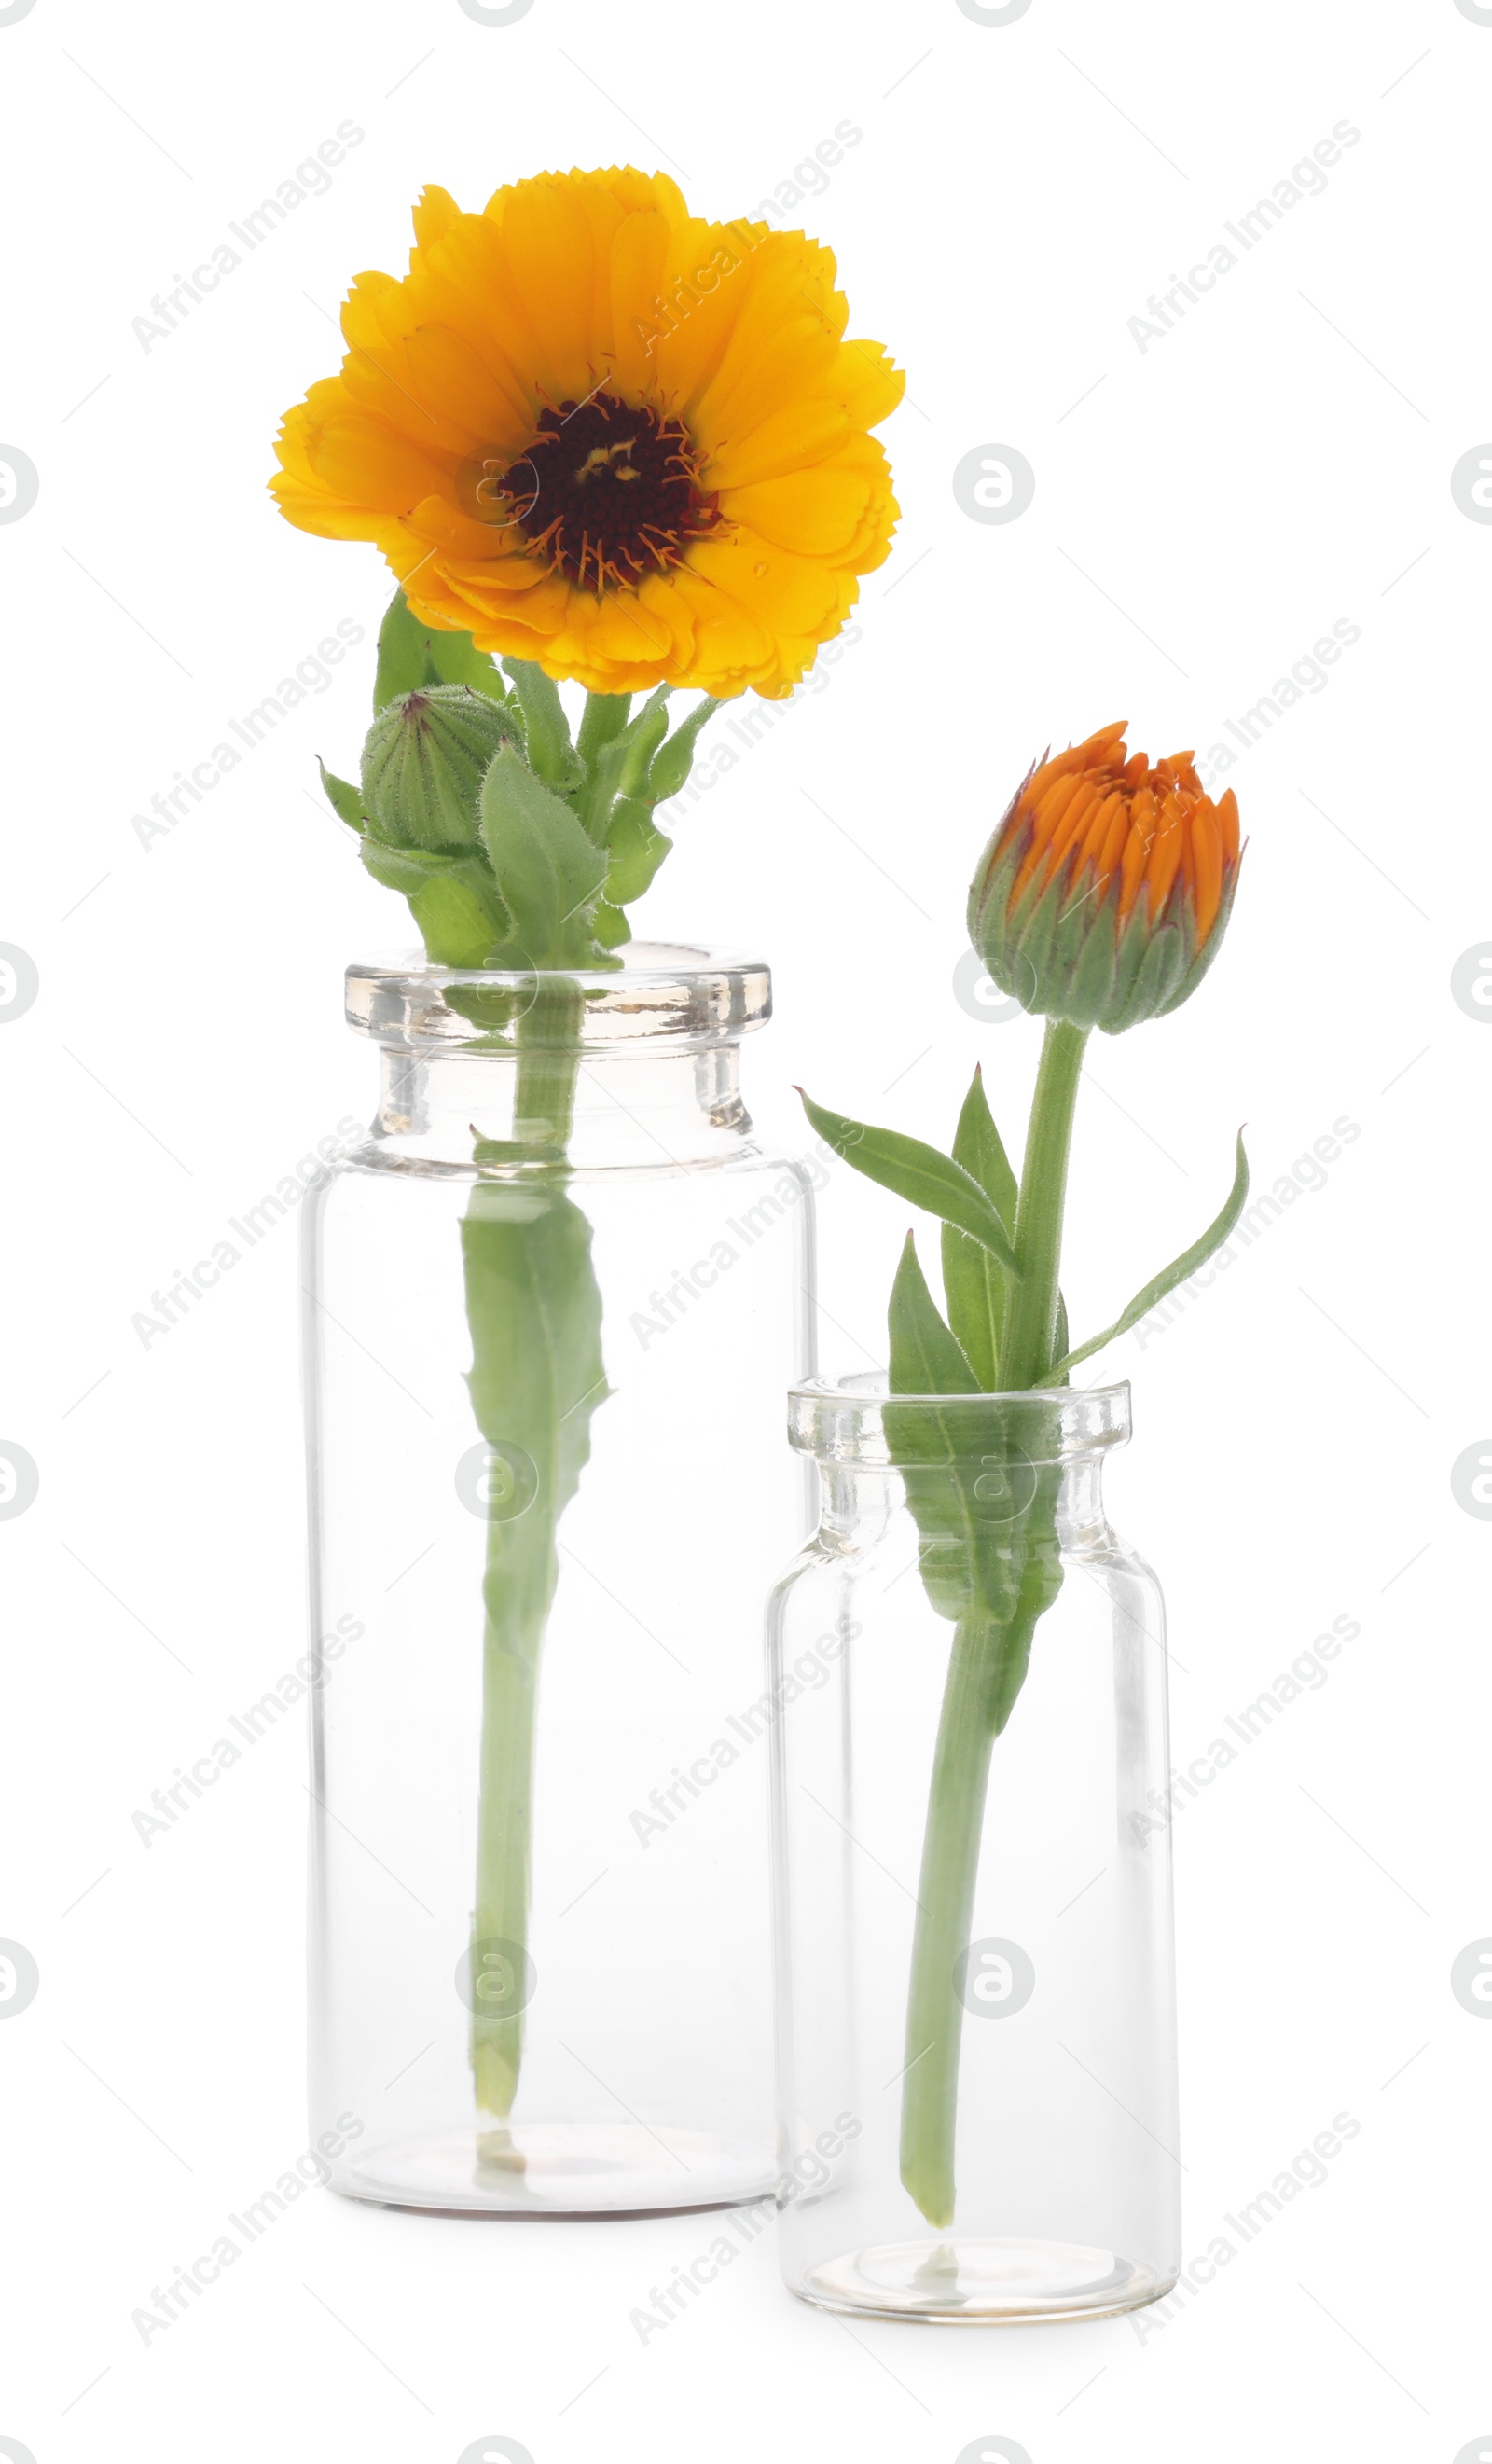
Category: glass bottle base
[969,2282]
[559,2169]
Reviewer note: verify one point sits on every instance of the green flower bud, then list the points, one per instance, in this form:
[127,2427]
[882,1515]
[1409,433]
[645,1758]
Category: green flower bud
[422,766]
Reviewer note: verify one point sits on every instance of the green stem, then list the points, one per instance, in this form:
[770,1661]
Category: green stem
[517,1590]
[989,1659]
[984,1675]
[511,1648]
[1028,1347]
[549,1063]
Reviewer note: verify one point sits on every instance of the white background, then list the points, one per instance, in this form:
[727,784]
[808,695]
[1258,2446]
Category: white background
[1205,510]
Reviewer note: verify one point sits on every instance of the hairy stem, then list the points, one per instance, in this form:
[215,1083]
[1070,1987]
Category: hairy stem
[516,1310]
[1029,1343]
[984,1676]
[511,1648]
[988,1658]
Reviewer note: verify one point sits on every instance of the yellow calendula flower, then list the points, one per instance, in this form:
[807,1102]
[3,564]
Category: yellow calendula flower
[596,432]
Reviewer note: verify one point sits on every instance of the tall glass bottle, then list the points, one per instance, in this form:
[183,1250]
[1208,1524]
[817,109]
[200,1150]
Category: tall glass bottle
[552,1302]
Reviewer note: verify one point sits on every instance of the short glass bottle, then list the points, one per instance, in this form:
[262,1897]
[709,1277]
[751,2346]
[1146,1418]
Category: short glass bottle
[553,1300]
[974,1945]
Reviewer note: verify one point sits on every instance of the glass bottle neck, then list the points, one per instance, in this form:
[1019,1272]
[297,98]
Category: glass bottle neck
[858,1506]
[626,1109]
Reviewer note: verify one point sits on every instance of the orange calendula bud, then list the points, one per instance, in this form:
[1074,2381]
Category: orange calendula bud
[1102,896]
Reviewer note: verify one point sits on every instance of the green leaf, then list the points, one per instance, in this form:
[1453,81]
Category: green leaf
[612,926]
[968,1484]
[925,1357]
[641,742]
[452,899]
[402,666]
[605,716]
[552,757]
[974,1283]
[615,765]
[1154,1292]
[978,1145]
[410,869]
[411,655]
[636,849]
[918,1172]
[674,759]
[344,798]
[549,874]
[974,1289]
[455,924]
[536,1372]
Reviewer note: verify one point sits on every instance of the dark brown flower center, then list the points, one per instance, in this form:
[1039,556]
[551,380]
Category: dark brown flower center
[604,492]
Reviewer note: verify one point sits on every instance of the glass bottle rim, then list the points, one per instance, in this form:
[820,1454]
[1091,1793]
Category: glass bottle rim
[844,1421]
[680,995]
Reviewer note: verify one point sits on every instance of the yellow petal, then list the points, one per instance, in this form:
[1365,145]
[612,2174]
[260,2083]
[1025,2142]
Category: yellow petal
[782,591]
[791,438]
[547,246]
[366,462]
[437,209]
[585,281]
[813,513]
[639,254]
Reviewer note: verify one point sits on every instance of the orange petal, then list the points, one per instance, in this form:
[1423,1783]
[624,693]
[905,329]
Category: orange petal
[1207,864]
[1164,855]
[1095,837]
[1074,822]
[1227,810]
[1114,846]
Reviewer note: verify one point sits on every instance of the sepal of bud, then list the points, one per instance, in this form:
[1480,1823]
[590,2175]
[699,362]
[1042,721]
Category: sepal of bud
[424,761]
